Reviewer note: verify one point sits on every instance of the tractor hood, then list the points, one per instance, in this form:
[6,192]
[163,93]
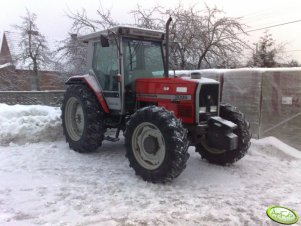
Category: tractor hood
[181,95]
[176,86]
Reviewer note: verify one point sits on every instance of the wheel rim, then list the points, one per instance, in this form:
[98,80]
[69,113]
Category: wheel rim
[210,149]
[74,119]
[148,145]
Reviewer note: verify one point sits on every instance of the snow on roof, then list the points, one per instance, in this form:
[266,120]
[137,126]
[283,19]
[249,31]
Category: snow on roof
[251,70]
[125,30]
[242,71]
[13,41]
[5,65]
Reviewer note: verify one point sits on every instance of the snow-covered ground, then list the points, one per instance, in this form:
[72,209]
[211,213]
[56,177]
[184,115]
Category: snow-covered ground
[43,182]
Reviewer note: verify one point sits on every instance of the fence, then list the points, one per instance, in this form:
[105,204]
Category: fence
[270,99]
[51,98]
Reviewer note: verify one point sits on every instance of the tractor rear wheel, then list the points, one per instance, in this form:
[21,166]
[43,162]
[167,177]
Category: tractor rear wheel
[223,157]
[82,119]
[156,144]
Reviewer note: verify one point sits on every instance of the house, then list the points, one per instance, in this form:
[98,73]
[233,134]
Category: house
[15,74]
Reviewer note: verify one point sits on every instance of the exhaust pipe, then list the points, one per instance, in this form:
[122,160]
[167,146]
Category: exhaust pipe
[166,70]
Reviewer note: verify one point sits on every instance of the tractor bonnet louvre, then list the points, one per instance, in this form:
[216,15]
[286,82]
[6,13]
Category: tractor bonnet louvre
[185,110]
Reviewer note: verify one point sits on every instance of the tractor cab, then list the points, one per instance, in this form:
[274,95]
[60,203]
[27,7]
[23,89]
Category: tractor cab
[120,55]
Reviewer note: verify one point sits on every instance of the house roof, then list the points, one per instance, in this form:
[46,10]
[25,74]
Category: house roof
[13,40]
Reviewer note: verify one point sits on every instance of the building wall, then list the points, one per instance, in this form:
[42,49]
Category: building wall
[20,80]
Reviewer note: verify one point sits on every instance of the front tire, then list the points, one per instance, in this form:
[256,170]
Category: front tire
[223,157]
[82,119]
[156,144]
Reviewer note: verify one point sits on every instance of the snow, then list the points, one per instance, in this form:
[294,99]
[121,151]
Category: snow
[29,124]
[46,183]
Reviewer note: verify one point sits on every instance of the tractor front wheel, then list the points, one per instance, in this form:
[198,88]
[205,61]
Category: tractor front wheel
[156,144]
[223,157]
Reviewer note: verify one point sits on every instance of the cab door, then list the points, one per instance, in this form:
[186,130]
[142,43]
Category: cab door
[105,65]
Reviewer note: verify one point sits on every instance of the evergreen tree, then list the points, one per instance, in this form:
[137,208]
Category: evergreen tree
[265,52]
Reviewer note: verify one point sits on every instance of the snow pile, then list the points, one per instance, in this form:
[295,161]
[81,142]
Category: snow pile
[22,124]
[271,146]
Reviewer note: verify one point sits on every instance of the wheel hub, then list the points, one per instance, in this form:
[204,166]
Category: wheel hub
[151,145]
[78,119]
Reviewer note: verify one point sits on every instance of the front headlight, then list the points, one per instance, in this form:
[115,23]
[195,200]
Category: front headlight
[202,110]
[213,108]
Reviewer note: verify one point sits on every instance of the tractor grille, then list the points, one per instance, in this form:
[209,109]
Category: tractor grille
[208,101]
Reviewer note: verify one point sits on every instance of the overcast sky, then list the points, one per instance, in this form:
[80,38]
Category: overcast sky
[53,23]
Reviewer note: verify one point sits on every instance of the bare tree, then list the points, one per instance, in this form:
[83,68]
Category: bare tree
[82,24]
[186,22]
[34,49]
[71,56]
[71,53]
[149,18]
[219,37]
[182,30]
[207,38]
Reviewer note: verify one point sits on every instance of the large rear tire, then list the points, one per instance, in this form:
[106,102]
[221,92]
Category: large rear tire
[82,119]
[156,144]
[223,157]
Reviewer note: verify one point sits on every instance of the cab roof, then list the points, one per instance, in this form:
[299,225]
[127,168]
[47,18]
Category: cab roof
[127,31]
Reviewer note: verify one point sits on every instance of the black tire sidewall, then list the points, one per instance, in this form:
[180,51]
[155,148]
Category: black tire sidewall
[93,127]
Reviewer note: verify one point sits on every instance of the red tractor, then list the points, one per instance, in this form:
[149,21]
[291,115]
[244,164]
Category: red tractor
[128,88]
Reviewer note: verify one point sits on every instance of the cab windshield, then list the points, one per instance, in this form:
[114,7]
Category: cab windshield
[142,59]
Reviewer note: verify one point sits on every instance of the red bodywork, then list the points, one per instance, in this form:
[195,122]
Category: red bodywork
[170,93]
[174,94]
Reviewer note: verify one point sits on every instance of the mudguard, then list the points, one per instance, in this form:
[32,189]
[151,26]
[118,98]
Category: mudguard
[93,85]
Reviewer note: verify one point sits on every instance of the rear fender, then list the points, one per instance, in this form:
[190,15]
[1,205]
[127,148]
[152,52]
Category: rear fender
[93,85]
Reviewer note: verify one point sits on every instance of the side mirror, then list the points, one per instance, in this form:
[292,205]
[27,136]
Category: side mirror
[104,41]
